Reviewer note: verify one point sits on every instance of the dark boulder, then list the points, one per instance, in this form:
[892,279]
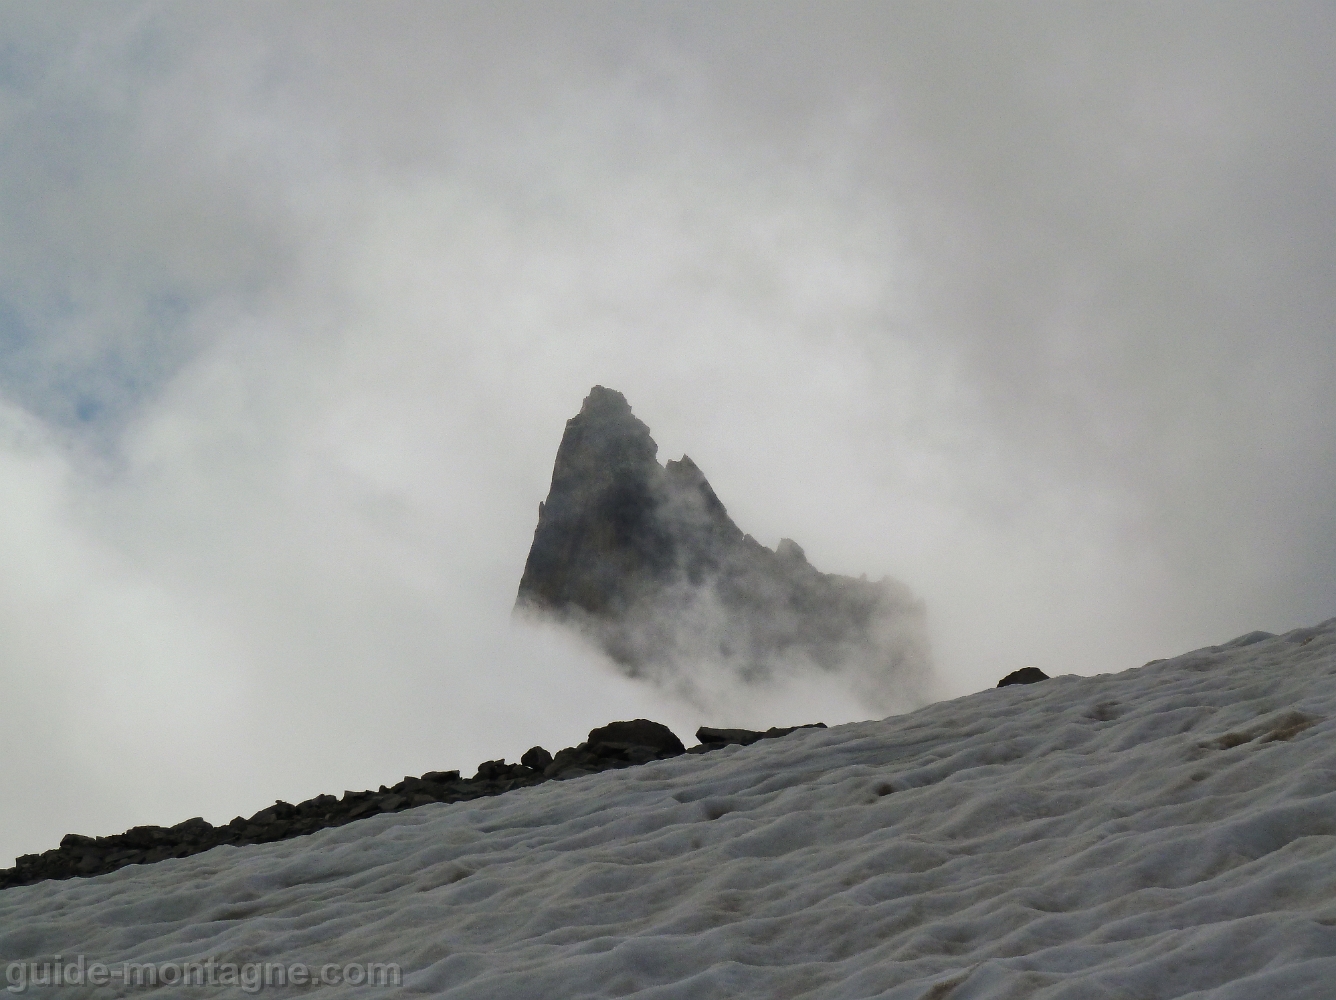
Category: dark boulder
[536,758]
[196,827]
[441,777]
[640,733]
[489,770]
[1025,675]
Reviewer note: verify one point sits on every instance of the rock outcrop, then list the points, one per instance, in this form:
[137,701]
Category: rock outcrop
[616,745]
[1025,675]
[717,739]
[644,560]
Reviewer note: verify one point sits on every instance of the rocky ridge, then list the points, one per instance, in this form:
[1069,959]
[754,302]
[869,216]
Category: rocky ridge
[616,745]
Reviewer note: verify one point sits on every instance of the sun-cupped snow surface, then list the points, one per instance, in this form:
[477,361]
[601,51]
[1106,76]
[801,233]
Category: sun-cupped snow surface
[1168,831]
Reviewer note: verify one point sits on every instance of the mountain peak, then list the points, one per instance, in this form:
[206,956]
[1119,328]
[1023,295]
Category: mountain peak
[644,561]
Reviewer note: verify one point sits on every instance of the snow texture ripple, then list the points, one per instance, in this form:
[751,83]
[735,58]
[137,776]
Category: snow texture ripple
[1164,832]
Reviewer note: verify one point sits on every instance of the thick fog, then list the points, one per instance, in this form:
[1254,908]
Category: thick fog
[1030,306]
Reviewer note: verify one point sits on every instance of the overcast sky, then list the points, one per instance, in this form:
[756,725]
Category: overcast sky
[1030,306]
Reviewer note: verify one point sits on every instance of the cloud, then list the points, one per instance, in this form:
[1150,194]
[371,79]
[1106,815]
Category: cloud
[1029,307]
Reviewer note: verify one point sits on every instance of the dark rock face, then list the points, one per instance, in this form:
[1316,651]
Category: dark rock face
[1025,675]
[644,560]
[616,745]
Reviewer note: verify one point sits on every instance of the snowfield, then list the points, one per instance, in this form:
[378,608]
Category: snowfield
[1168,831]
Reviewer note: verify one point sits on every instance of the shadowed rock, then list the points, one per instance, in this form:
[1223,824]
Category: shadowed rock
[1025,675]
[639,732]
[717,739]
[644,560]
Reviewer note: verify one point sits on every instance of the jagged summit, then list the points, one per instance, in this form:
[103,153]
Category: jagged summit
[644,560]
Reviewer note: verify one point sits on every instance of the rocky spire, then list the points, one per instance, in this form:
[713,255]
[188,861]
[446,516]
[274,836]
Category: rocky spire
[645,561]
[598,534]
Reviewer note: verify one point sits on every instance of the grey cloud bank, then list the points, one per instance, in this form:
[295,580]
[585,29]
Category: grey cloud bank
[1029,306]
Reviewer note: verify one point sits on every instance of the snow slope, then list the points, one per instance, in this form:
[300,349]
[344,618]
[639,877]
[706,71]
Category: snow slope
[1164,832]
